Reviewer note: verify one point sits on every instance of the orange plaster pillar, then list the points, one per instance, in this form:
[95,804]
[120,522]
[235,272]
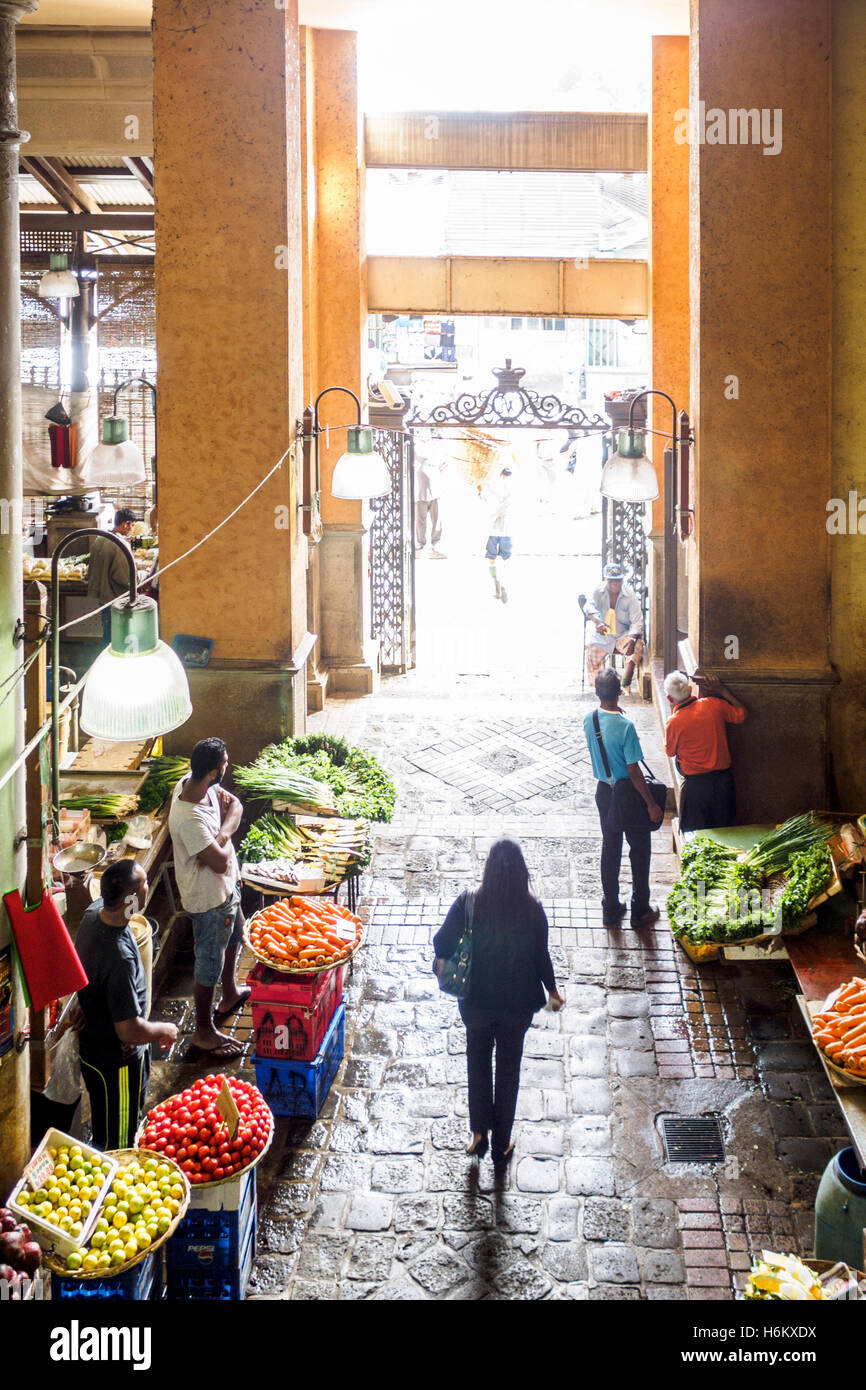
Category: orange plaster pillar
[669,274]
[228,326]
[338,283]
[761,345]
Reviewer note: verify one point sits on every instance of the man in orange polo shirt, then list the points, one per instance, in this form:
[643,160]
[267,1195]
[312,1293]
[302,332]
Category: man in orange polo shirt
[696,737]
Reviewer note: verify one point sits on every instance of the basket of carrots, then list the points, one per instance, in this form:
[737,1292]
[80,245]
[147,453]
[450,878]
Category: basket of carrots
[303,936]
[839,1031]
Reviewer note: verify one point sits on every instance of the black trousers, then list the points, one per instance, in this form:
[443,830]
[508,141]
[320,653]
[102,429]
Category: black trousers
[117,1093]
[708,800]
[492,1104]
[639,853]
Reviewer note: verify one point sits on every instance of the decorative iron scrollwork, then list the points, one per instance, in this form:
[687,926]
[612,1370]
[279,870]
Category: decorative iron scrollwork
[510,405]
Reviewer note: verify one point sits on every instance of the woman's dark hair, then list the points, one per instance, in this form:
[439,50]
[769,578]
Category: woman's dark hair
[504,899]
[119,880]
[206,757]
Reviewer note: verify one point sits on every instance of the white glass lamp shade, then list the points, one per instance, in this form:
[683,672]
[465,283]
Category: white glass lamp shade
[117,461]
[136,688]
[58,282]
[628,475]
[360,473]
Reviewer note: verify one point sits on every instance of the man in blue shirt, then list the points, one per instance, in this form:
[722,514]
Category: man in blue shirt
[623,751]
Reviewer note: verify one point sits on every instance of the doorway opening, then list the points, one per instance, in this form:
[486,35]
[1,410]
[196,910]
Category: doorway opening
[489,609]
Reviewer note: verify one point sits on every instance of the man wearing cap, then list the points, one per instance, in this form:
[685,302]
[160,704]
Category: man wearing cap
[696,737]
[615,612]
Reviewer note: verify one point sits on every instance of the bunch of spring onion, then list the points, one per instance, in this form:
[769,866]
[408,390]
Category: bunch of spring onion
[268,779]
[163,775]
[101,805]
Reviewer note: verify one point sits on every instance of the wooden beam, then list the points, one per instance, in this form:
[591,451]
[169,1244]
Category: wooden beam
[83,222]
[54,176]
[142,169]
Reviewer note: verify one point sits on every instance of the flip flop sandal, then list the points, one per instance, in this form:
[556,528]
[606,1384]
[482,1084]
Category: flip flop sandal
[226,1052]
[220,1015]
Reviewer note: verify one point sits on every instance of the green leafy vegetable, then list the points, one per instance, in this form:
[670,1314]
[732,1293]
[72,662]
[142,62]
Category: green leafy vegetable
[163,775]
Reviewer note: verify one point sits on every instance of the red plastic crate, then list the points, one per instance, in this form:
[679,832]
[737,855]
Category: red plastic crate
[291,1015]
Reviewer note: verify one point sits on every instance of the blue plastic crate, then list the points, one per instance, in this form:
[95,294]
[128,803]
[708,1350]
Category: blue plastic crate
[213,1284]
[300,1088]
[142,1282]
[213,1240]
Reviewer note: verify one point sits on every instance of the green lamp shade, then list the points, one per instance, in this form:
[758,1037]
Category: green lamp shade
[58,282]
[360,473]
[628,475]
[117,461]
[137,688]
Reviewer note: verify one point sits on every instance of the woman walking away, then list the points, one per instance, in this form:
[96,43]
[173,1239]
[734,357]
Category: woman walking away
[511,968]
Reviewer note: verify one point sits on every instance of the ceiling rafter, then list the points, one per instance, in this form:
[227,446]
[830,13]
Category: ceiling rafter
[142,168]
[55,177]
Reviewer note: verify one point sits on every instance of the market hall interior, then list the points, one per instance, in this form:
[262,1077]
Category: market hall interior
[248,145]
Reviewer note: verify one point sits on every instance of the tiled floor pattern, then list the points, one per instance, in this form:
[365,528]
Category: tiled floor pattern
[375,1199]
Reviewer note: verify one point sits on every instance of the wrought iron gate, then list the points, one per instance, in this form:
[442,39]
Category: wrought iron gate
[511,405]
[623,542]
[392,567]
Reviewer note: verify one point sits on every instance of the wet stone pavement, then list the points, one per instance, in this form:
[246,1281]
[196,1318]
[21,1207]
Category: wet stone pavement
[376,1198]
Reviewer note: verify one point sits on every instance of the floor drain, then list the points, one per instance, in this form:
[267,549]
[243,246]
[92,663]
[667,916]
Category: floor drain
[693,1139]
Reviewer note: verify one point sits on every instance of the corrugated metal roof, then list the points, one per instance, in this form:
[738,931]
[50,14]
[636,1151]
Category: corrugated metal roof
[31,193]
[117,193]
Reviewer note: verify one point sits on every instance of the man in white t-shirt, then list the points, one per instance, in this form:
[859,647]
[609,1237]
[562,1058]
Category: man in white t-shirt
[202,819]
[498,496]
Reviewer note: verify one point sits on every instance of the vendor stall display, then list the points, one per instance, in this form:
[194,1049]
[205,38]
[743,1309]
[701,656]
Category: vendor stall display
[839,1030]
[313,856]
[192,1129]
[349,782]
[725,894]
[220,1128]
[146,1200]
[303,935]
[788,1279]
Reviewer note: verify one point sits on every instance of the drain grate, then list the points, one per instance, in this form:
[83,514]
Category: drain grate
[693,1139]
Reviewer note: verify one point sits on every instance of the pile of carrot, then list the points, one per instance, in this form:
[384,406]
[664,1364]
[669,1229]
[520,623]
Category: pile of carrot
[304,933]
[841,1030]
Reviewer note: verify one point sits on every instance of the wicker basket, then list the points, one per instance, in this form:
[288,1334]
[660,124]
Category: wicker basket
[220,1181]
[291,969]
[124,1157]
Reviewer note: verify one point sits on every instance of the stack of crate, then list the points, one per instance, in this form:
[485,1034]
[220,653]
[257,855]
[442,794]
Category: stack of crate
[211,1253]
[299,1023]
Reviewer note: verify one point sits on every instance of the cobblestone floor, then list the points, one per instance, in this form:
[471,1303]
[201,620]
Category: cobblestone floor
[376,1199]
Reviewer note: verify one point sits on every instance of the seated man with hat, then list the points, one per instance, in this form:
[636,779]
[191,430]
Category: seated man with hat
[615,612]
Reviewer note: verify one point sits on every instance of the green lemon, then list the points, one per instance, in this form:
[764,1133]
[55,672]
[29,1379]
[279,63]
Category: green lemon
[53,1195]
[117,1257]
[74,1260]
[126,1232]
[91,1261]
[163,1170]
[64,1184]
[114,1244]
[76,1163]
[60,1170]
[101,1224]
[135,1205]
[142,1240]
[153,1230]
[177,1190]
[105,1260]
[119,1219]
[76,1229]
[130,1250]
[66,1223]
[98,1239]
[163,1224]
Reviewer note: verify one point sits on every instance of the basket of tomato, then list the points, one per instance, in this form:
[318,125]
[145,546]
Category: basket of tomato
[190,1129]
[303,936]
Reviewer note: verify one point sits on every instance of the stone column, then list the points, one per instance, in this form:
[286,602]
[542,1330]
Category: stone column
[228,324]
[346,648]
[761,344]
[669,276]
[15,1067]
[848,543]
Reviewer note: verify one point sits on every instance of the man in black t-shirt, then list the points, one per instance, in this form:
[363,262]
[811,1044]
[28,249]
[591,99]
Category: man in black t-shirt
[115,1038]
